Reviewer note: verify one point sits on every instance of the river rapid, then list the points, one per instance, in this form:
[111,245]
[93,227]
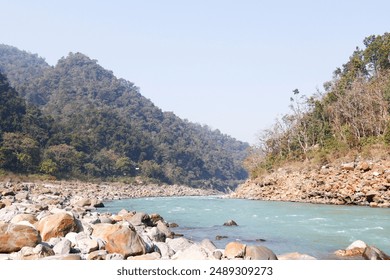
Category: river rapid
[284,227]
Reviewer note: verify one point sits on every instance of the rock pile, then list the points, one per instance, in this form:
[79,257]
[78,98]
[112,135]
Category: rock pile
[59,221]
[361,250]
[365,183]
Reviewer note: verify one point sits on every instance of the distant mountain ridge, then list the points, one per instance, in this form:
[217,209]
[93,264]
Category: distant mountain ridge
[109,129]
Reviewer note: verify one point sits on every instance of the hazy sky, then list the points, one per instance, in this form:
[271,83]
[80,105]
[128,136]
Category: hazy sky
[229,64]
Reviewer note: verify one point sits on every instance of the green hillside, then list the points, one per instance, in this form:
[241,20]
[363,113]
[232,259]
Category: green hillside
[77,120]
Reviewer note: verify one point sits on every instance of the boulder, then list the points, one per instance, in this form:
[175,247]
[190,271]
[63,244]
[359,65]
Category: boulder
[259,253]
[155,234]
[14,237]
[193,252]
[20,196]
[97,203]
[178,244]
[208,245]
[146,257]
[373,253]
[24,217]
[364,166]
[234,250]
[69,257]
[162,227]
[97,255]
[357,244]
[295,256]
[30,253]
[165,251]
[62,247]
[102,231]
[83,202]
[85,243]
[126,242]
[356,248]
[155,218]
[57,225]
[139,219]
[230,223]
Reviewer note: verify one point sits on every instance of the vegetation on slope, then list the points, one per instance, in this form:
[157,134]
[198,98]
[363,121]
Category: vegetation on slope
[78,120]
[351,113]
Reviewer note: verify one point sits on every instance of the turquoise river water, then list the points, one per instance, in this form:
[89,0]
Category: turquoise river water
[313,229]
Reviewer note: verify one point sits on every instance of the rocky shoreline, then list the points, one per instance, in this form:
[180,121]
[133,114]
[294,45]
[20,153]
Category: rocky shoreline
[59,221]
[363,183]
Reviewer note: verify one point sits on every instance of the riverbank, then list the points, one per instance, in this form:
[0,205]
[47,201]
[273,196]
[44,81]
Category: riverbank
[59,220]
[358,182]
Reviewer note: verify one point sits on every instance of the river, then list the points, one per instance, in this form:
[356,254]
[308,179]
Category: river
[314,229]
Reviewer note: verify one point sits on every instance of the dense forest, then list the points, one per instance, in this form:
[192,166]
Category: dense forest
[77,120]
[351,113]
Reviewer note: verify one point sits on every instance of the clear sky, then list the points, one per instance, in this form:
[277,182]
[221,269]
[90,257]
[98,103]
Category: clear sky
[229,64]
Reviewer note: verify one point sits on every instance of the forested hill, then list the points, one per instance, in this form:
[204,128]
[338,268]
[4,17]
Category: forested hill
[77,119]
[351,117]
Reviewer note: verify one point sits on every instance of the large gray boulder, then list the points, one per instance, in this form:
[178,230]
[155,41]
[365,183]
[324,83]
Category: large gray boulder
[259,253]
[373,253]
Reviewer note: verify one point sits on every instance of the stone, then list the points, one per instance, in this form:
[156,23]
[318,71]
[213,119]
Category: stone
[349,253]
[97,203]
[364,166]
[220,237]
[146,257]
[20,196]
[83,202]
[114,257]
[155,218]
[126,242]
[193,252]
[8,213]
[217,255]
[208,245]
[85,243]
[234,250]
[24,217]
[373,196]
[56,225]
[139,219]
[357,244]
[173,225]
[373,253]
[165,251]
[97,255]
[155,234]
[295,256]
[106,220]
[69,257]
[230,223]
[178,244]
[31,253]
[259,253]
[63,247]
[162,227]
[71,236]
[14,237]
[102,231]
[350,166]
